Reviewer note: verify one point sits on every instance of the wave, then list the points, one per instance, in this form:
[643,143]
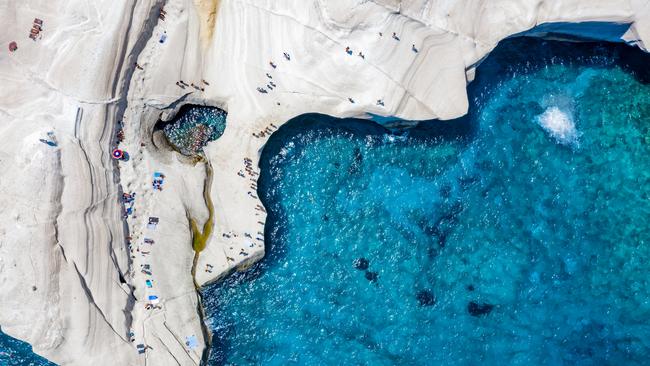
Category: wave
[559,125]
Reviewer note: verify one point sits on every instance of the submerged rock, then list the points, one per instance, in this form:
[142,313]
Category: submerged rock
[445,191]
[426,298]
[476,309]
[356,163]
[361,263]
[372,276]
[466,182]
[358,156]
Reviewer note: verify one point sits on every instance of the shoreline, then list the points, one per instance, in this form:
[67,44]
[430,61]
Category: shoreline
[379,129]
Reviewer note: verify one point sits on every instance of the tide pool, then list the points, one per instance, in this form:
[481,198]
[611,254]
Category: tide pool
[516,235]
[193,127]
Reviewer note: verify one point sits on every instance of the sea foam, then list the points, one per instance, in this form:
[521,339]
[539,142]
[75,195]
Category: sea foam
[559,125]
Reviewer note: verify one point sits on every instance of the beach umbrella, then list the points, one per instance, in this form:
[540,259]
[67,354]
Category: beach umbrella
[13,46]
[118,154]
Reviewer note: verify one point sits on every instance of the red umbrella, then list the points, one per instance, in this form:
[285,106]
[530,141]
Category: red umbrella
[118,154]
[13,46]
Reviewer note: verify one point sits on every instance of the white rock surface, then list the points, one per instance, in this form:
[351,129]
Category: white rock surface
[63,253]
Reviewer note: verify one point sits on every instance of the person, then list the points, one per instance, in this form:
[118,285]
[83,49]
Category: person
[414,49]
[272,64]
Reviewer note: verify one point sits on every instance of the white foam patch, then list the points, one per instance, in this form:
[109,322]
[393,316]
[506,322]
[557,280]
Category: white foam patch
[559,125]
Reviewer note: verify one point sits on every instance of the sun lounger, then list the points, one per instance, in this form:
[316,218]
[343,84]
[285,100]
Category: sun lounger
[153,221]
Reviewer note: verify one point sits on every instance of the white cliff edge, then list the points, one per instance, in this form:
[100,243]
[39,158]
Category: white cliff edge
[70,285]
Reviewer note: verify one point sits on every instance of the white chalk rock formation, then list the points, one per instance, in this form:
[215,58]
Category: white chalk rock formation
[62,256]
[69,283]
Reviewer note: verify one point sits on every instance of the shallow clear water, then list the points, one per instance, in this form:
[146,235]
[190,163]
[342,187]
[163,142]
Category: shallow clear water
[194,127]
[534,208]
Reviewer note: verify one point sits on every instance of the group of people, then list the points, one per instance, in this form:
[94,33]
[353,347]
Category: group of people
[152,301]
[248,167]
[348,50]
[146,267]
[270,85]
[250,172]
[128,199]
[266,131]
[119,136]
[181,84]
[37,27]
[242,252]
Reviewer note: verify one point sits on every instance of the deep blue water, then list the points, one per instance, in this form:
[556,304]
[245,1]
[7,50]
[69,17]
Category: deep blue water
[17,353]
[516,235]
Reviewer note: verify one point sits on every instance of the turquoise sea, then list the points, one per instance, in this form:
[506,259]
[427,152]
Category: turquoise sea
[517,235]
[17,353]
